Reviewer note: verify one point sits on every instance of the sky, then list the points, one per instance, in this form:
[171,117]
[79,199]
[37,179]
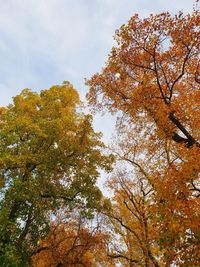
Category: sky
[44,42]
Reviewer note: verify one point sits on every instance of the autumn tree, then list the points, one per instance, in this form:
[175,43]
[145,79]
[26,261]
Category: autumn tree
[72,244]
[49,160]
[155,64]
[151,80]
[131,218]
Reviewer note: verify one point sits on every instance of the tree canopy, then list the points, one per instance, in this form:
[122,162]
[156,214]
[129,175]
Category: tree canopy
[154,71]
[72,244]
[151,81]
[49,161]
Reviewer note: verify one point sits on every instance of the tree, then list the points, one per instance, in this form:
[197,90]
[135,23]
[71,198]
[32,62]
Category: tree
[132,220]
[49,160]
[72,244]
[155,64]
[152,80]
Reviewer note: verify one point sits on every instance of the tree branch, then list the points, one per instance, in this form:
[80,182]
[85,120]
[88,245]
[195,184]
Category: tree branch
[190,140]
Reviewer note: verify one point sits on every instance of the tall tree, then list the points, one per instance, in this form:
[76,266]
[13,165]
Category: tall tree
[49,160]
[152,80]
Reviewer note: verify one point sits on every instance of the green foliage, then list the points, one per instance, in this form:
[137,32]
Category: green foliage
[49,156]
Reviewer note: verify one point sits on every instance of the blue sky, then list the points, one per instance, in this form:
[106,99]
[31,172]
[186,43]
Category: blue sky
[44,42]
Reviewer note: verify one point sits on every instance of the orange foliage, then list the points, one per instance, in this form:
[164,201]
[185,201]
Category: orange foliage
[70,245]
[154,69]
[152,77]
